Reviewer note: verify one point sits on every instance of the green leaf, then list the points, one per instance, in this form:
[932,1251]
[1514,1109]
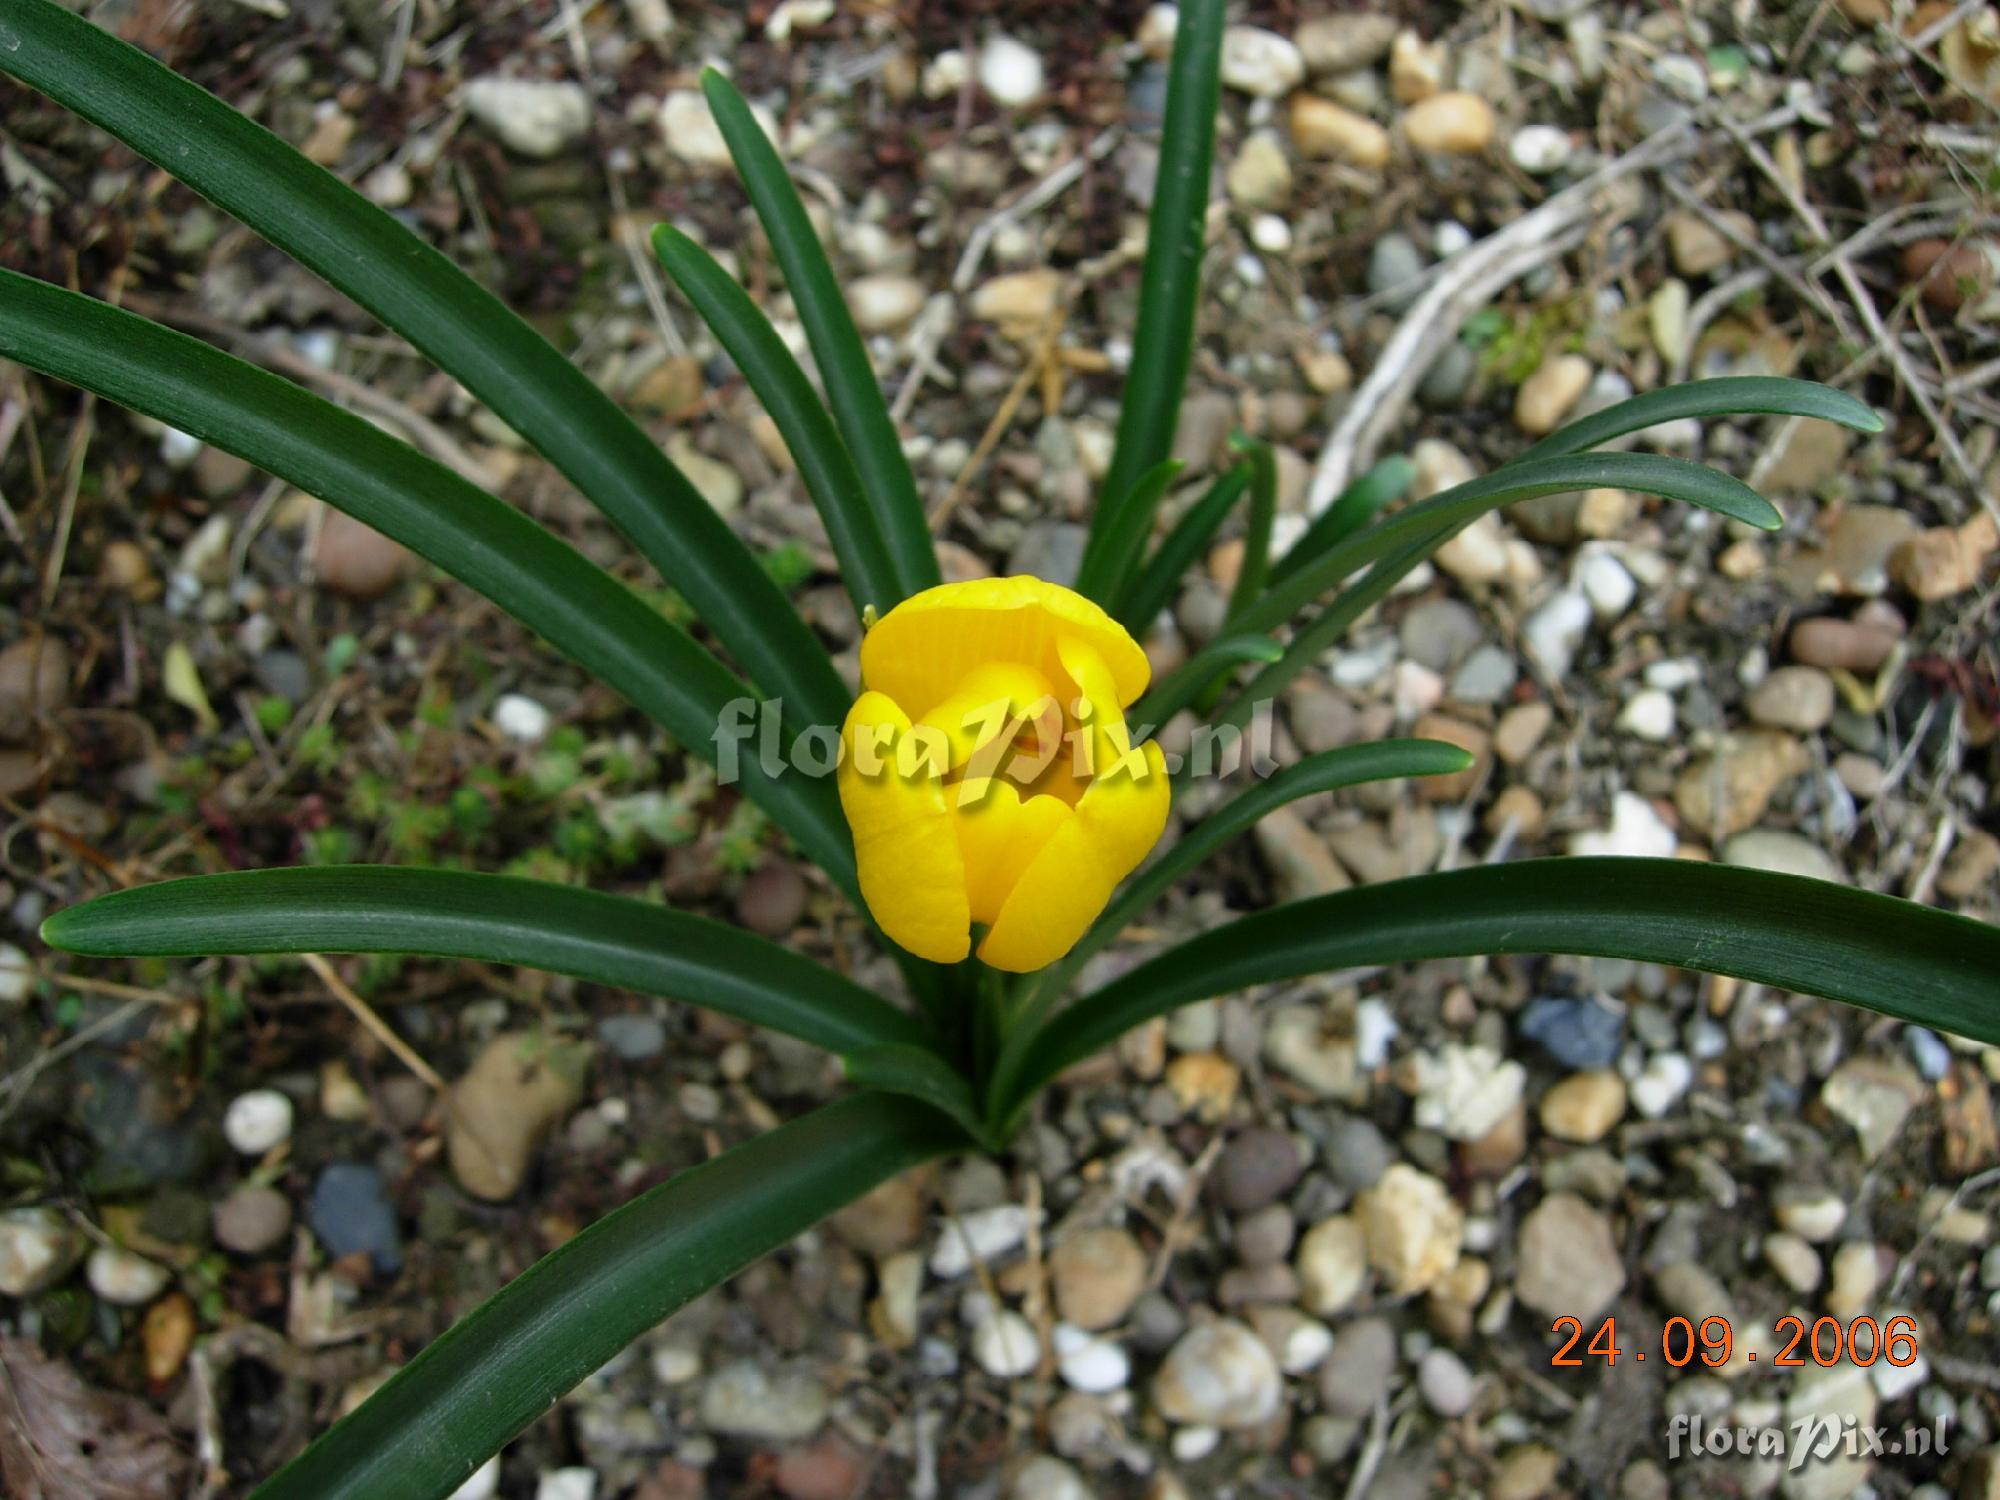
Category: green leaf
[1170,284]
[1108,554]
[1440,514]
[1383,760]
[1352,509]
[1904,960]
[823,460]
[897,1068]
[851,387]
[1257,526]
[496,919]
[311,215]
[1727,396]
[1191,678]
[547,585]
[493,1372]
[1162,574]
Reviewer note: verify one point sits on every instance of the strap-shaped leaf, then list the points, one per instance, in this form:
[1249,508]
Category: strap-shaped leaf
[1163,573]
[1352,509]
[1351,765]
[1112,549]
[311,215]
[851,386]
[1170,283]
[614,940]
[1256,563]
[1192,677]
[896,1068]
[824,462]
[1912,962]
[547,585]
[493,1372]
[1729,395]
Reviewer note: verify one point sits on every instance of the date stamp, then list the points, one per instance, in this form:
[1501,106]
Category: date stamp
[1825,1342]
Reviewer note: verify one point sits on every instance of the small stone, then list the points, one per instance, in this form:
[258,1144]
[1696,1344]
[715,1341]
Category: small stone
[126,568]
[1357,1373]
[1097,1275]
[354,559]
[1323,130]
[1470,738]
[1970,866]
[715,481]
[980,1235]
[1660,1084]
[1683,77]
[1569,1261]
[745,1400]
[1296,1044]
[1021,301]
[1839,1400]
[1729,791]
[1521,729]
[1219,1375]
[1260,177]
[124,1279]
[1813,1214]
[571,1483]
[1947,276]
[166,1334]
[1649,715]
[1555,630]
[37,1249]
[1445,1383]
[1299,860]
[1945,561]
[1416,67]
[517,1089]
[1606,583]
[1010,72]
[1005,1345]
[1487,677]
[1580,1034]
[522,719]
[1525,1473]
[1257,1167]
[1414,1228]
[1346,42]
[1458,124]
[1089,1363]
[1204,1084]
[1264,1238]
[1464,1093]
[1783,853]
[1696,246]
[1875,1096]
[351,1214]
[884,303]
[893,1315]
[1584,1106]
[830,1469]
[1856,1272]
[1260,62]
[257,1122]
[691,134]
[1796,1262]
[773,900]
[1825,641]
[1046,1478]
[1478,554]
[1332,1265]
[17,975]
[252,1219]
[538,117]
[1540,150]
[1548,395]
[1795,698]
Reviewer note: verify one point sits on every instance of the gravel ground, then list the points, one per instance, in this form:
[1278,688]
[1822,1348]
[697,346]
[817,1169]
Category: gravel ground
[1311,1241]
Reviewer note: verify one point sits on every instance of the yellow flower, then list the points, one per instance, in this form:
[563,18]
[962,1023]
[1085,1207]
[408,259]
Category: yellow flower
[987,772]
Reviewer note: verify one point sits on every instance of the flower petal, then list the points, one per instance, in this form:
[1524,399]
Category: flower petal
[1000,835]
[905,845]
[1068,883]
[922,649]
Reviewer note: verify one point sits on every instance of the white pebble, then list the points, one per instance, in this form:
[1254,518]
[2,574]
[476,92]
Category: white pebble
[124,1279]
[521,718]
[1271,234]
[1306,1347]
[1089,1363]
[17,979]
[483,1483]
[1193,1444]
[1637,831]
[1005,1345]
[179,449]
[1374,1029]
[676,1364]
[1892,1381]
[1606,584]
[1649,715]
[1673,674]
[1666,1076]
[257,1121]
[1260,62]
[567,1484]
[980,1235]
[1010,72]
[1539,150]
[1449,238]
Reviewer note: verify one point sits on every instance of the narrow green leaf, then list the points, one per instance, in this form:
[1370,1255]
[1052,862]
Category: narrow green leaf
[1352,509]
[1162,574]
[1438,515]
[1257,523]
[614,940]
[311,215]
[851,386]
[1170,284]
[896,1068]
[1727,396]
[1102,574]
[1904,960]
[547,585]
[493,1372]
[823,460]
[1191,678]
[1383,760]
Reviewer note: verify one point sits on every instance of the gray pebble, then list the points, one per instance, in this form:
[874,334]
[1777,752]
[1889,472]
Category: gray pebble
[252,1219]
[1446,1384]
[1358,1371]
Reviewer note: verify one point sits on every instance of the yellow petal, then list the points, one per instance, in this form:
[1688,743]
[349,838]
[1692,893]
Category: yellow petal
[923,649]
[987,712]
[1103,727]
[905,846]
[1068,883]
[1000,835]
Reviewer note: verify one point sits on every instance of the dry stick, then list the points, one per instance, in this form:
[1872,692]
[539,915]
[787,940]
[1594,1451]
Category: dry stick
[1805,289]
[372,1023]
[79,446]
[643,264]
[1461,284]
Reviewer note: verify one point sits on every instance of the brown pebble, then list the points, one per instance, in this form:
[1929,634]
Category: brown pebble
[34,682]
[126,568]
[355,559]
[827,1470]
[1948,276]
[167,1333]
[1827,641]
[772,900]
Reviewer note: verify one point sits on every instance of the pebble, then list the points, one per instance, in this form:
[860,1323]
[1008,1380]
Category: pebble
[1010,72]
[1697,247]
[124,1279]
[1947,275]
[1265,1237]
[1549,394]
[1256,1168]
[17,975]
[1097,1275]
[1569,1262]
[1945,561]
[1795,1261]
[691,134]
[1458,124]
[1583,1107]
[715,481]
[1219,1375]
[1875,1096]
[1525,1473]
[1540,150]
[1445,1383]
[1782,852]
[744,1399]
[1005,1344]
[1046,1478]
[1649,715]
[1478,554]
[1795,698]
[354,559]
[538,117]
[1521,729]
[1607,584]
[1416,67]
[1261,63]
[1682,76]
[518,1088]
[1825,641]
[1394,264]
[1357,1373]
[1332,1265]
[1580,1034]
[1813,1214]
[1356,1152]
[632,1037]
[257,1122]
[572,1483]
[1323,130]
[126,568]
[979,1235]
[1463,1093]
[351,1214]
[1346,42]
[1660,1084]
[1300,863]
[1089,1363]
[1555,630]
[1487,677]
[773,900]
[830,1469]
[1747,770]
[1842,1400]
[252,1219]
[37,1249]
[1259,178]
[1414,1228]
[884,303]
